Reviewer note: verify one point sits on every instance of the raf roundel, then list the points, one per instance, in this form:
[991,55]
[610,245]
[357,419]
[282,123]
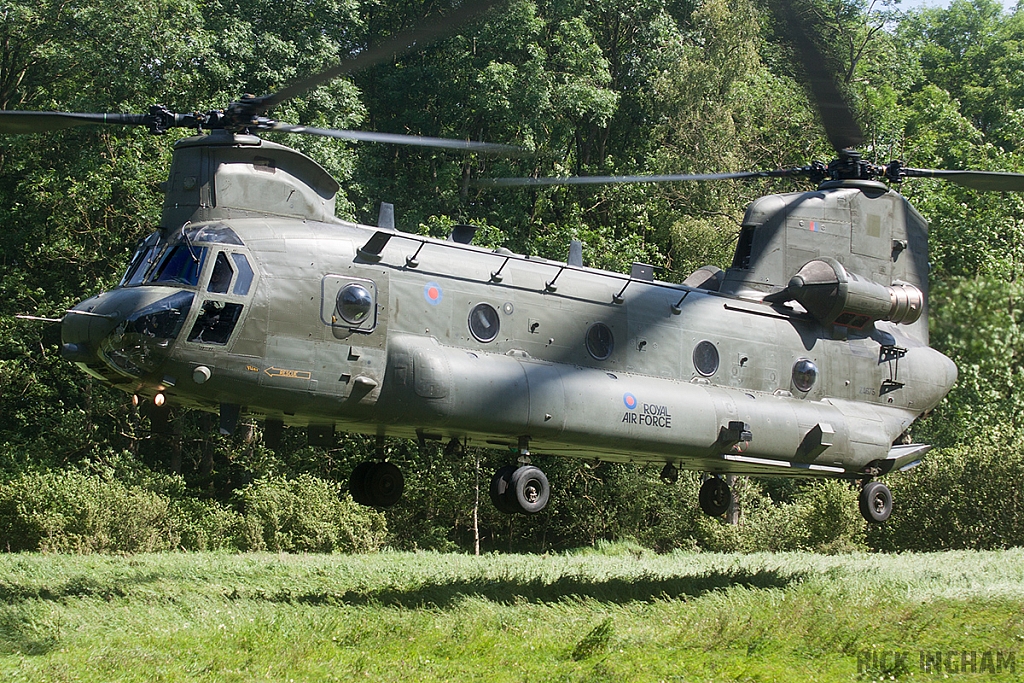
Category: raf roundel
[629,400]
[432,293]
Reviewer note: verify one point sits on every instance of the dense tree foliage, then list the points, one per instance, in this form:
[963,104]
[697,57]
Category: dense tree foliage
[590,86]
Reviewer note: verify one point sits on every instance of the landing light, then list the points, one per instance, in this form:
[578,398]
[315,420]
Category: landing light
[159,400]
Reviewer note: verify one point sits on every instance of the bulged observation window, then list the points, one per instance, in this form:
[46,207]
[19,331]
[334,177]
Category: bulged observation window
[600,341]
[484,323]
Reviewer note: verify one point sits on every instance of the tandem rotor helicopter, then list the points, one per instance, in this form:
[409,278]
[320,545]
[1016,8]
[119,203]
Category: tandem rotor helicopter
[807,357]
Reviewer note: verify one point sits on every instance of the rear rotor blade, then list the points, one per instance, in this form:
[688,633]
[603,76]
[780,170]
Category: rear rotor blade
[395,139]
[15,122]
[985,181]
[400,43]
[623,179]
[837,118]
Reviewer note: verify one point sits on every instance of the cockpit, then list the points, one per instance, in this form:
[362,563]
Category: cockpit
[205,267]
[178,259]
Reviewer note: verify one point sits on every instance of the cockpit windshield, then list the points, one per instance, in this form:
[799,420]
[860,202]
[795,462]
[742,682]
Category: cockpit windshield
[145,256]
[174,258]
[180,265]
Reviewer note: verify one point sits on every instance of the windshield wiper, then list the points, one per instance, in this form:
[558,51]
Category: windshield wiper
[188,242]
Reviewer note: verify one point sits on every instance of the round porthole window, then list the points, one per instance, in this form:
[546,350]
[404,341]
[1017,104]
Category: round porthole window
[805,373]
[483,322]
[354,304]
[705,358]
[600,341]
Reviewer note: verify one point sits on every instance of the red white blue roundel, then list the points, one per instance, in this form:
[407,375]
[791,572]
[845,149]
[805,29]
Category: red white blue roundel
[432,293]
[630,400]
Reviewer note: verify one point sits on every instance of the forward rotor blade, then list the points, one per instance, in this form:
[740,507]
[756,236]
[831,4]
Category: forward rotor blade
[39,319]
[15,122]
[400,43]
[985,181]
[837,118]
[623,179]
[395,139]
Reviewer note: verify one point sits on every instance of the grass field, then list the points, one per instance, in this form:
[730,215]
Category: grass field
[614,614]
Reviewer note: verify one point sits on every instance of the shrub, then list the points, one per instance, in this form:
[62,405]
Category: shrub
[832,517]
[306,514]
[68,511]
[968,497]
[822,516]
[206,525]
[75,512]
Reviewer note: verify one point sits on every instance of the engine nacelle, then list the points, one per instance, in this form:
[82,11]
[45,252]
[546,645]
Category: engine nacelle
[834,296]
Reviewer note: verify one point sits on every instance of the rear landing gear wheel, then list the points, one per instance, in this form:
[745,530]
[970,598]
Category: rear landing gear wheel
[714,497]
[531,488]
[875,502]
[501,487]
[524,489]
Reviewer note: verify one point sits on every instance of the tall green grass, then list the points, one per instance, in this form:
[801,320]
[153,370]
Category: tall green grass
[615,613]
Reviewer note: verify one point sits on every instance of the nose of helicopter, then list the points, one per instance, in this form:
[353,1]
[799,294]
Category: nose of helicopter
[129,330]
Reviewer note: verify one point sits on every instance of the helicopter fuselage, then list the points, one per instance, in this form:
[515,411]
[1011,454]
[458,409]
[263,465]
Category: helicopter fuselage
[310,321]
[492,347]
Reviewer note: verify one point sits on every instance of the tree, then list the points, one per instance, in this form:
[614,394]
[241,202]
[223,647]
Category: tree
[590,86]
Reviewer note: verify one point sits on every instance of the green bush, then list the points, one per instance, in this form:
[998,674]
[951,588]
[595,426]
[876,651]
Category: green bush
[822,516]
[832,517]
[75,512]
[306,514]
[968,497]
[206,525]
[71,512]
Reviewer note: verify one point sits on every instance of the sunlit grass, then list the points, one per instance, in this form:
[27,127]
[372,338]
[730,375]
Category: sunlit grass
[611,615]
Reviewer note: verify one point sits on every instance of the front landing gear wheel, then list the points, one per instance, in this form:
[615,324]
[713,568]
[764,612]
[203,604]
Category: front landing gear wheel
[384,485]
[875,502]
[714,497]
[357,483]
[376,484]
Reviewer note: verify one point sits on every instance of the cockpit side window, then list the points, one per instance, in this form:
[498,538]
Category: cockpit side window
[181,265]
[220,280]
[245,274]
[215,323]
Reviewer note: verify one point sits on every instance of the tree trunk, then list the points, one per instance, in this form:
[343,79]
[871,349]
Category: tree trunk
[476,502]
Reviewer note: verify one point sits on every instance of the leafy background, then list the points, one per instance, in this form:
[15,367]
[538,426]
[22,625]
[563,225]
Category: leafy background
[592,86]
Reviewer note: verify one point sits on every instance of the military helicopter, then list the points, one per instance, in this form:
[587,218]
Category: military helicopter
[808,357]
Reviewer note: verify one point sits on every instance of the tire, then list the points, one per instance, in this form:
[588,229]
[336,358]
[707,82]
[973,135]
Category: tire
[357,483]
[875,502]
[532,490]
[714,497]
[384,485]
[501,490]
